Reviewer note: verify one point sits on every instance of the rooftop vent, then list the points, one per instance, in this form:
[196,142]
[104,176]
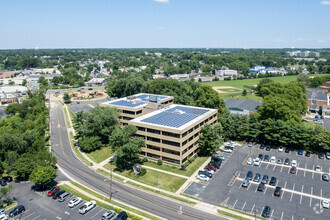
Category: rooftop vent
[135,101]
[178,111]
[131,97]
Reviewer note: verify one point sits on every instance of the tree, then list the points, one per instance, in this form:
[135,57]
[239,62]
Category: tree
[24,82]
[205,96]
[209,140]
[302,78]
[24,166]
[89,144]
[11,82]
[261,84]
[244,93]
[206,69]
[320,110]
[66,98]
[1,169]
[43,175]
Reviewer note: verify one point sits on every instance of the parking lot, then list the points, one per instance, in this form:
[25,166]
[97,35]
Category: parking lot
[84,105]
[38,206]
[301,195]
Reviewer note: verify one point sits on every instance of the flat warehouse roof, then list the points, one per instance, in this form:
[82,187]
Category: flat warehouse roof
[139,100]
[176,117]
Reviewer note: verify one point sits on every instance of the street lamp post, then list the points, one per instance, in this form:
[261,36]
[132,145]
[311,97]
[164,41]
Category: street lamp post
[110,181]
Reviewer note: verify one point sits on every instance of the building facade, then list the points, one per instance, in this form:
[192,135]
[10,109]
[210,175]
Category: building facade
[171,132]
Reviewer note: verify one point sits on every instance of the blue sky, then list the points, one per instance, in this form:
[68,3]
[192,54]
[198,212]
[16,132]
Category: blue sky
[164,23]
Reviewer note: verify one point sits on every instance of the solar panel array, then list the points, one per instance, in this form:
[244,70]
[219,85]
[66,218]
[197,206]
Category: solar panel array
[172,119]
[132,104]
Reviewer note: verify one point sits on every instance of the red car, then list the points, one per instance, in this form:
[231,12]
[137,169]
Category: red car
[277,191]
[293,170]
[211,168]
[53,190]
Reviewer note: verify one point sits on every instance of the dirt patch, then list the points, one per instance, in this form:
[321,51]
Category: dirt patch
[228,89]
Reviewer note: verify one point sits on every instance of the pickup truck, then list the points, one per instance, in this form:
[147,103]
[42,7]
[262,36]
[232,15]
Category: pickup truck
[87,207]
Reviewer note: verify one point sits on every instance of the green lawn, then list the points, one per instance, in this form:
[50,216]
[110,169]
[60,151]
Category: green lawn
[100,155]
[167,182]
[188,172]
[230,90]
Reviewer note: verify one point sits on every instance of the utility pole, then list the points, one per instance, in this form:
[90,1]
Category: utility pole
[110,181]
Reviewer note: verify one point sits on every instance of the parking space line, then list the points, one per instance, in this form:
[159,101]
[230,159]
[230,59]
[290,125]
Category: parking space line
[235,203]
[297,171]
[305,170]
[274,167]
[256,189]
[282,215]
[321,193]
[265,190]
[249,187]
[302,190]
[36,217]
[271,215]
[28,216]
[281,195]
[292,217]
[281,168]
[243,206]
[267,166]
[97,213]
[310,201]
[252,208]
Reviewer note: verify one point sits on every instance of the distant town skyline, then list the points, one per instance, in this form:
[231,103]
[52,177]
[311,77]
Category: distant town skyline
[165,24]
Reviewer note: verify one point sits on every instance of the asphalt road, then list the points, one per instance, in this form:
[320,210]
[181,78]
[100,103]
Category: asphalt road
[81,173]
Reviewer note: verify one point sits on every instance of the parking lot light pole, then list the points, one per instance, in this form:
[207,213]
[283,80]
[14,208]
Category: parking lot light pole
[110,181]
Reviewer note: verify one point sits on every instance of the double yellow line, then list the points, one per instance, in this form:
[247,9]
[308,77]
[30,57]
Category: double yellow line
[233,179]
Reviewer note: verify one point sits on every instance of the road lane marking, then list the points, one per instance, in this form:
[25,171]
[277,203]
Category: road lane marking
[235,203]
[252,208]
[243,206]
[91,105]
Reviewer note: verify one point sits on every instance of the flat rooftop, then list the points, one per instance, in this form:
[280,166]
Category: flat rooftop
[135,101]
[176,117]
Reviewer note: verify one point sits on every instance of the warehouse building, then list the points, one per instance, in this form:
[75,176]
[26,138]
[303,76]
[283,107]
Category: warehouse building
[171,131]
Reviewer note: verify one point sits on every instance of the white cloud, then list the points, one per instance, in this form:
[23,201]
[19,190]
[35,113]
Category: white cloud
[162,1]
[325,2]
[161,28]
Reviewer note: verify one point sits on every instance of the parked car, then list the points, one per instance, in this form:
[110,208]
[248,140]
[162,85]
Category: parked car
[87,207]
[293,170]
[327,155]
[209,171]
[249,175]
[256,177]
[250,161]
[58,193]
[261,187]
[209,167]
[257,162]
[273,159]
[2,211]
[246,182]
[209,175]
[277,191]
[3,217]
[280,149]
[75,201]
[108,215]
[325,177]
[308,154]
[272,181]
[265,179]
[227,150]
[294,163]
[318,168]
[287,150]
[53,190]
[325,203]
[8,178]
[3,182]
[203,177]
[90,88]
[62,197]
[16,211]
[266,158]
[260,156]
[300,152]
[266,212]
[215,164]
[250,144]
[262,146]
[267,148]
[122,216]
[279,160]
[321,156]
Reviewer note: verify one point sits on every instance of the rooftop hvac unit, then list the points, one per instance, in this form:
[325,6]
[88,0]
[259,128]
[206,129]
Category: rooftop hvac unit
[178,111]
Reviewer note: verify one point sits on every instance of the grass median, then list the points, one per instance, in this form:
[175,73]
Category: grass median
[162,193]
[68,124]
[232,216]
[128,208]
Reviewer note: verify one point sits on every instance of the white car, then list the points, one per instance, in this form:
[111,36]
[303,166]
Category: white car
[203,177]
[209,171]
[73,202]
[2,212]
[257,162]
[250,161]
[325,203]
[318,168]
[280,149]
[294,163]
[227,150]
[3,217]
[87,207]
[273,159]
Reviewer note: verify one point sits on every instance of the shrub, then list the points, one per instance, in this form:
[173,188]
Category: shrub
[191,159]
[145,159]
[143,171]
[159,162]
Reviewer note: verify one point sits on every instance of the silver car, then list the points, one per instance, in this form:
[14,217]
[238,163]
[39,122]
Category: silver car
[245,183]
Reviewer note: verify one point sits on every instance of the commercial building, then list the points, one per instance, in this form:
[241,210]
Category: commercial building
[171,131]
[227,72]
[303,54]
[7,98]
[96,82]
[316,100]
[242,106]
